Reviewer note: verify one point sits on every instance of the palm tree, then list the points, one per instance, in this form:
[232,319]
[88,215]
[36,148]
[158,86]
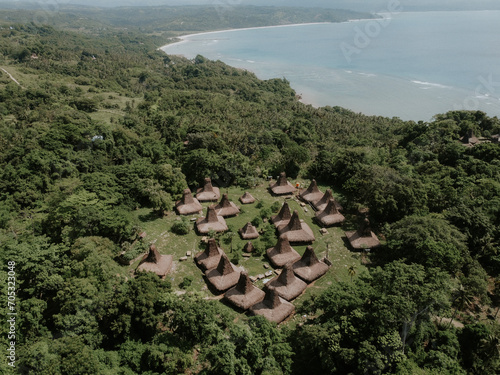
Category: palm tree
[228,240]
[462,300]
[352,271]
[491,346]
[496,297]
[489,349]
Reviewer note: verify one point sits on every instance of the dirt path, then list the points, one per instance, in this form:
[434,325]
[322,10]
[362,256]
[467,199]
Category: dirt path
[11,77]
[455,323]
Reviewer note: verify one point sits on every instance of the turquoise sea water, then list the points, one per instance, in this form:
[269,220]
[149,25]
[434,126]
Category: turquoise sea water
[409,64]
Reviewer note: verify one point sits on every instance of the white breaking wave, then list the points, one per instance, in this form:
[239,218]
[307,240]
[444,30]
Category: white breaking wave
[438,85]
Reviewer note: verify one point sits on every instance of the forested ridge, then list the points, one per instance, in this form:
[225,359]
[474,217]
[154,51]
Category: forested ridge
[169,21]
[98,127]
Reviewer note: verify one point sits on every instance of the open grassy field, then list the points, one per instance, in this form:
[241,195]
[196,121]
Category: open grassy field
[158,231]
[111,105]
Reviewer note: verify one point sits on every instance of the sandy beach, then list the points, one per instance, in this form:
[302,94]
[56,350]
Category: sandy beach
[185,38]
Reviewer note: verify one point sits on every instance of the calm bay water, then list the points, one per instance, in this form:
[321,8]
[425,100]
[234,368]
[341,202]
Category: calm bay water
[412,65]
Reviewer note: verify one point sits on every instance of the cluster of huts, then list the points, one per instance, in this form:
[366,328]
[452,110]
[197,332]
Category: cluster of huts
[470,139]
[294,272]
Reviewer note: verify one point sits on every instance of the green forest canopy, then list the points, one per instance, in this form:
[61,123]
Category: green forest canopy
[97,127]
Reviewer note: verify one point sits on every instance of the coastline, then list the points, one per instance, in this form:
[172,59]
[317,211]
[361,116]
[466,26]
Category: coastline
[381,93]
[183,38]
[377,15]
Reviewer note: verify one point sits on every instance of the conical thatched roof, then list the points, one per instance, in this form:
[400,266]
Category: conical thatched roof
[282,253]
[226,208]
[283,216]
[224,276]
[330,215]
[247,198]
[155,262]
[273,307]
[244,294]
[296,230]
[210,257]
[208,193]
[249,248]
[287,284]
[312,193]
[282,186]
[321,204]
[470,139]
[211,222]
[249,232]
[293,224]
[309,267]
[188,205]
[363,238]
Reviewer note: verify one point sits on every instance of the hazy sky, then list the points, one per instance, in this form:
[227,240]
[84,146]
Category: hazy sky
[363,5]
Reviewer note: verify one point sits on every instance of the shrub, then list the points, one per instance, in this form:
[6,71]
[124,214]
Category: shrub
[257,221]
[182,226]
[265,213]
[186,282]
[276,207]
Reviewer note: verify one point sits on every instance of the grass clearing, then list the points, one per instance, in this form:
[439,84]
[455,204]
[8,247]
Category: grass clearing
[158,232]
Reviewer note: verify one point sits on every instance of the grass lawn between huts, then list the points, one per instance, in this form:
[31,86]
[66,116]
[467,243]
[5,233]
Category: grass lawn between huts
[158,231]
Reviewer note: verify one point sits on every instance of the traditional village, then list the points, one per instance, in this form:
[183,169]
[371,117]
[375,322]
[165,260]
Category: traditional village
[286,273]
[164,210]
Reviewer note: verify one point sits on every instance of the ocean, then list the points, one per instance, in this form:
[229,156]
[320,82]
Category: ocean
[410,65]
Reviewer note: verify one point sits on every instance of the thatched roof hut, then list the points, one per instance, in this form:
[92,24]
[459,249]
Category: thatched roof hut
[282,186]
[155,262]
[470,139]
[226,208]
[224,276]
[210,257]
[273,307]
[287,284]
[211,222]
[309,267]
[208,193]
[312,193]
[330,215]
[283,216]
[363,238]
[321,204]
[282,253]
[188,205]
[296,230]
[248,232]
[249,248]
[244,294]
[247,198]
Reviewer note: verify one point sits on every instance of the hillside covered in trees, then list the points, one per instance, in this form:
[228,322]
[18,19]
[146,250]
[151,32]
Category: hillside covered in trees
[170,20]
[94,129]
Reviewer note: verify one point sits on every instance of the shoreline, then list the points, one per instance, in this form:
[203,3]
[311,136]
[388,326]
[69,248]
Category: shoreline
[183,38]
[446,97]
[377,15]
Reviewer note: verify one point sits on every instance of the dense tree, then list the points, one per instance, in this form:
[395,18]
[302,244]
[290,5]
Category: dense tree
[428,240]
[111,125]
[370,323]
